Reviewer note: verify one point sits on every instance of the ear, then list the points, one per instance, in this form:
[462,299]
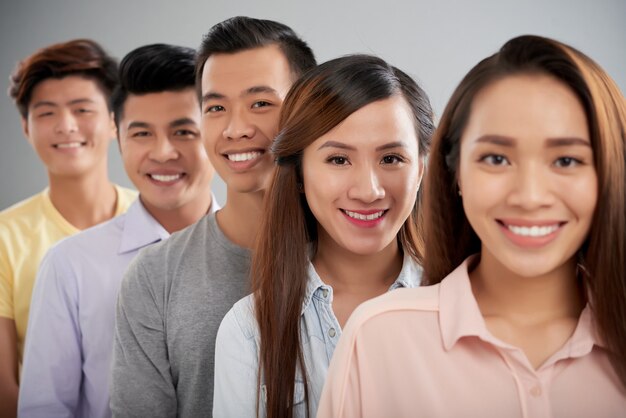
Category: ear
[25,130]
[422,167]
[112,126]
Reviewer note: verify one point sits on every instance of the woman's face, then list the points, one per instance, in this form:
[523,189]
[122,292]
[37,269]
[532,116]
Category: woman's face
[361,178]
[527,175]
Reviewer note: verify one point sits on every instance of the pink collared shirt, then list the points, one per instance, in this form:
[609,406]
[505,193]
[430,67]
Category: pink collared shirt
[427,352]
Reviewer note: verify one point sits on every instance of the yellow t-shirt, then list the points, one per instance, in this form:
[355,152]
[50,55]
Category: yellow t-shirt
[27,230]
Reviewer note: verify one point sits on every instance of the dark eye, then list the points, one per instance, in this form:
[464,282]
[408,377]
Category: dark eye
[216,108]
[140,134]
[260,103]
[84,110]
[565,162]
[392,159]
[338,160]
[495,159]
[43,115]
[184,132]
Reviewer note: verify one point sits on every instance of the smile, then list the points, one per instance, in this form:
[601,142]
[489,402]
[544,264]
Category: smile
[363,216]
[68,145]
[165,178]
[244,156]
[533,231]
[532,234]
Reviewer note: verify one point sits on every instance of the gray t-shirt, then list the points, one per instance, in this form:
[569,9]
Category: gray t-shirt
[171,302]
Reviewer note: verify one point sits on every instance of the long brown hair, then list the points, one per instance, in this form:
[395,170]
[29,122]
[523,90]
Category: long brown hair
[318,102]
[451,238]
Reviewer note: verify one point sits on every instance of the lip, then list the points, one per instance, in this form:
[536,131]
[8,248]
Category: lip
[247,164]
[69,147]
[166,173]
[527,241]
[363,223]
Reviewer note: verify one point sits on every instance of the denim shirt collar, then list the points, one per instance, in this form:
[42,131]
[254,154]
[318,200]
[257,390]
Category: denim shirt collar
[410,276]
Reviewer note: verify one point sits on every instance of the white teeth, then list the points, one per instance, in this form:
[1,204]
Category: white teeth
[363,217]
[245,156]
[70,145]
[533,231]
[165,178]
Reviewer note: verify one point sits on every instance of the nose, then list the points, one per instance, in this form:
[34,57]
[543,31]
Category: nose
[366,186]
[163,150]
[239,125]
[66,123]
[531,187]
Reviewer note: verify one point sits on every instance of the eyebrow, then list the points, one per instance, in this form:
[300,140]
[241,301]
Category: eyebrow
[181,122]
[71,102]
[137,124]
[506,141]
[173,124]
[213,95]
[566,142]
[341,145]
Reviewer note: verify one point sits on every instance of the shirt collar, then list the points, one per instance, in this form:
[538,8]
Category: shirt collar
[140,229]
[410,276]
[460,317]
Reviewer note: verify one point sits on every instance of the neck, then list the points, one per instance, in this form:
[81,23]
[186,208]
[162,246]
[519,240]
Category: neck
[85,200]
[240,217]
[499,292]
[348,272]
[173,220]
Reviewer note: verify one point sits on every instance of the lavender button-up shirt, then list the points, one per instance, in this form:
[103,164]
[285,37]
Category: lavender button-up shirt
[69,341]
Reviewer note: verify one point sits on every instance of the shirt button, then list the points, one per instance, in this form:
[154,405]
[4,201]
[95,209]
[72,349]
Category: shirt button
[332,332]
[325,293]
[536,391]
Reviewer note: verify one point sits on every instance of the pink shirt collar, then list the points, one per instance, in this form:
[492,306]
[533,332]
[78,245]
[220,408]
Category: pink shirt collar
[460,317]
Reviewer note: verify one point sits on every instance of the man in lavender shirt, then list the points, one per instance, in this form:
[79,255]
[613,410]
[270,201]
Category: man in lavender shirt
[70,335]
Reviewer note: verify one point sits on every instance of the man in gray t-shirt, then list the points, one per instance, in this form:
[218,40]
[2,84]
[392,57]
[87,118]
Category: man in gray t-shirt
[175,293]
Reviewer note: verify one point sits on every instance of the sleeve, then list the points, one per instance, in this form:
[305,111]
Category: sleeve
[6,277]
[52,369]
[342,395]
[141,383]
[236,370]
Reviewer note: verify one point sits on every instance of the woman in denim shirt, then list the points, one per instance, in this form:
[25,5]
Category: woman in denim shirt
[341,228]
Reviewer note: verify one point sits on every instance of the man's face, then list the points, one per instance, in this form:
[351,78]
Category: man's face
[162,149]
[242,94]
[69,125]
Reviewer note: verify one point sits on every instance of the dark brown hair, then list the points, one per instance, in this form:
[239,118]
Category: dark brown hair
[82,57]
[318,102]
[241,33]
[450,237]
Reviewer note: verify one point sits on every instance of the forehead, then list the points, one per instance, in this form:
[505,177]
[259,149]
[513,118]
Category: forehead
[66,89]
[161,108]
[376,124]
[525,106]
[232,74]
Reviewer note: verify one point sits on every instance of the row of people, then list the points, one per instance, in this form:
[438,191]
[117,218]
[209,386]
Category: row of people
[520,236]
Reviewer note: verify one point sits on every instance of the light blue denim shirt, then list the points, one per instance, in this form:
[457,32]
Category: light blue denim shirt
[237,348]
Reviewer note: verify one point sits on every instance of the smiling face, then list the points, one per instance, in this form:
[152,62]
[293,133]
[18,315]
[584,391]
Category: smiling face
[242,94]
[527,176]
[361,178]
[162,150]
[69,125]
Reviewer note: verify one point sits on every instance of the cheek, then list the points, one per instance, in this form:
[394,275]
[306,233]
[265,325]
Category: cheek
[581,196]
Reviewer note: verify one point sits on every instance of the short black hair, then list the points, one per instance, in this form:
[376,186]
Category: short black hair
[241,33]
[152,69]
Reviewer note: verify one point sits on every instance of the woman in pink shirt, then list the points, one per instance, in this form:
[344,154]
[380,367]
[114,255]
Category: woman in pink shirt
[525,225]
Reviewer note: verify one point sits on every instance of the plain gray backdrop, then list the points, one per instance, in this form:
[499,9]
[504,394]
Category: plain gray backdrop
[436,42]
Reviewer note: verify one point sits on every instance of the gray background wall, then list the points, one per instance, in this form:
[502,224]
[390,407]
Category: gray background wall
[435,41]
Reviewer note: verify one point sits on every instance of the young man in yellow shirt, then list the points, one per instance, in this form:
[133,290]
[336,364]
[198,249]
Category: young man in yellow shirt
[62,93]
